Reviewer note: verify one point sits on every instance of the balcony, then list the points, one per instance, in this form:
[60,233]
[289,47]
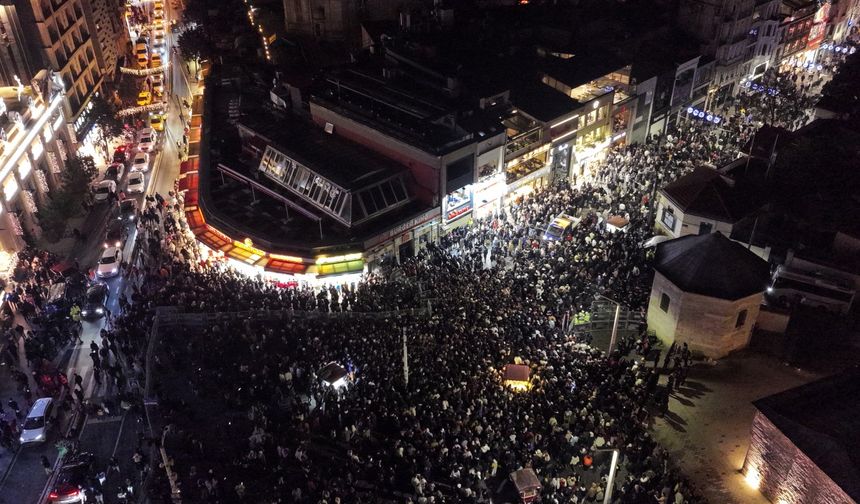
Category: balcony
[522,143]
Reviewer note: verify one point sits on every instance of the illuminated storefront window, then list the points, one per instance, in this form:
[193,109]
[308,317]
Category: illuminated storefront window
[10,187]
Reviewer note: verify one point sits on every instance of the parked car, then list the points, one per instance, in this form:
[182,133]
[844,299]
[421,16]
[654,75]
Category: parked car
[127,210]
[141,52]
[136,183]
[73,480]
[146,139]
[104,189]
[158,84]
[94,303]
[114,172]
[144,98]
[155,60]
[109,263]
[115,235]
[120,155]
[156,121]
[140,162]
[37,422]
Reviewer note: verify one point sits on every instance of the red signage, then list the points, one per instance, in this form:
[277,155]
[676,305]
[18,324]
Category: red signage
[457,212]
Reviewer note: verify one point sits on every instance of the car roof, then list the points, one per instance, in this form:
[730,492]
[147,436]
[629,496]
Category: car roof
[94,289]
[39,406]
[128,203]
[135,175]
[107,183]
[140,155]
[110,251]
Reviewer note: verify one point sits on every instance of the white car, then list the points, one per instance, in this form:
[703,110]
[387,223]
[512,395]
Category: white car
[145,143]
[104,189]
[109,262]
[35,427]
[140,162]
[136,183]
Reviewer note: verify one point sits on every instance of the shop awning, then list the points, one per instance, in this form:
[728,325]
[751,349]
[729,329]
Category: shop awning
[191,199]
[286,267]
[339,268]
[195,219]
[215,240]
[189,166]
[194,135]
[189,182]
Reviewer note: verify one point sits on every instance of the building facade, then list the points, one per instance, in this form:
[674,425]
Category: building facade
[36,143]
[105,20]
[335,20]
[62,40]
[15,58]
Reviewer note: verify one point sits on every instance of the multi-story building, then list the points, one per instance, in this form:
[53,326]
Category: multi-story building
[844,16]
[105,19]
[723,29]
[764,37]
[801,30]
[15,58]
[36,143]
[336,20]
[62,40]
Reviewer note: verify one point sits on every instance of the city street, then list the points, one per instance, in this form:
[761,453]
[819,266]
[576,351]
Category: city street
[114,433]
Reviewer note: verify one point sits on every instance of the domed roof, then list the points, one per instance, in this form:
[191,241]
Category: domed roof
[712,265]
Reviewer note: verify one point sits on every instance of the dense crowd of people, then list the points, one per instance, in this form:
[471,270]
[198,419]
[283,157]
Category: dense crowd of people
[277,433]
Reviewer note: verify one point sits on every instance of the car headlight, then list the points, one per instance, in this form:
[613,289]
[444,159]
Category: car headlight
[114,270]
[85,313]
[99,311]
[131,217]
[21,439]
[40,437]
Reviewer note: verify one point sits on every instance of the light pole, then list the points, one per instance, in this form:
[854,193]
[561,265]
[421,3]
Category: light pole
[610,480]
[614,335]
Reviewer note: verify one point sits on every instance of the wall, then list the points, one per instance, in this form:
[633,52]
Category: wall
[686,224]
[706,324]
[782,472]
[664,324]
[772,320]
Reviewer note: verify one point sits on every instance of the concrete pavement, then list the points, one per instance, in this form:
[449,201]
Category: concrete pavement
[708,424]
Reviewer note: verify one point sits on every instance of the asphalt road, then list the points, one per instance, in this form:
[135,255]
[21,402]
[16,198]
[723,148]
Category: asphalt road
[115,433]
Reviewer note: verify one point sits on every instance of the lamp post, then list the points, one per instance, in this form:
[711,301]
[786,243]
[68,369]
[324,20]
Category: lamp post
[614,335]
[610,480]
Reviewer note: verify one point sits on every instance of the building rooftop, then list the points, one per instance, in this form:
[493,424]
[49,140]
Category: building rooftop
[712,265]
[705,192]
[822,419]
[542,102]
[342,162]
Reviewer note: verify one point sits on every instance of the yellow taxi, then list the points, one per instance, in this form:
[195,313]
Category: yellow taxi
[144,98]
[155,61]
[156,122]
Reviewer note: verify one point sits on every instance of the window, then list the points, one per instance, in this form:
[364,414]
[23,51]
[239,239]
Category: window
[668,218]
[664,302]
[705,228]
[742,319]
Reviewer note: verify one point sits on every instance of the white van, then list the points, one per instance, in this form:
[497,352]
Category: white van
[39,419]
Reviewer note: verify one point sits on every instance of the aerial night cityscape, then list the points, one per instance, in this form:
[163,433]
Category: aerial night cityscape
[429,251]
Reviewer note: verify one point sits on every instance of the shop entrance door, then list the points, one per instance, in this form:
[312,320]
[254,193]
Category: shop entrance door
[406,251]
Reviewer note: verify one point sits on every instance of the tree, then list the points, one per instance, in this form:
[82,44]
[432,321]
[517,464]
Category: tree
[195,13]
[79,173]
[195,43]
[842,91]
[103,114]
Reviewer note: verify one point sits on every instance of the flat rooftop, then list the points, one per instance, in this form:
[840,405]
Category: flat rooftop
[345,163]
[822,419]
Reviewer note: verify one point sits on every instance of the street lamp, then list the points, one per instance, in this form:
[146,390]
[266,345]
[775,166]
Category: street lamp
[610,480]
[614,323]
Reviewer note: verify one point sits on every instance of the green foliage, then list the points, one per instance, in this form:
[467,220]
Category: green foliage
[195,44]
[103,115]
[67,202]
[843,89]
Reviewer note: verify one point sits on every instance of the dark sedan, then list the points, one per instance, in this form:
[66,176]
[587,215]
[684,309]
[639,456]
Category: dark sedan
[73,480]
[94,306]
[127,210]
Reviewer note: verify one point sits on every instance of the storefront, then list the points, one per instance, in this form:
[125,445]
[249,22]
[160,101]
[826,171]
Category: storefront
[487,195]
[457,208]
[403,240]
